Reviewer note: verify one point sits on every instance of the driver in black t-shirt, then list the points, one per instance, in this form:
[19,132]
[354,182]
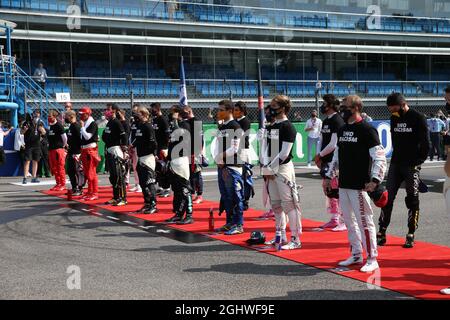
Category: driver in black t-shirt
[74,164]
[279,175]
[57,141]
[410,144]
[116,145]
[328,140]
[240,114]
[162,133]
[362,164]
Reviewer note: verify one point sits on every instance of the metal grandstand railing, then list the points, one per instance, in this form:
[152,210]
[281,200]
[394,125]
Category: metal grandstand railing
[195,11]
[102,88]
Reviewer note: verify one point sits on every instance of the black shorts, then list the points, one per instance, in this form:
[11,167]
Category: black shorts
[32,154]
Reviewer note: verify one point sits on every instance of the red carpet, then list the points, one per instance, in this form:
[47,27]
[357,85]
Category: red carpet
[419,272]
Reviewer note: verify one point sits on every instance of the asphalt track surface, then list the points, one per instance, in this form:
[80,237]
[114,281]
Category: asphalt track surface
[40,237]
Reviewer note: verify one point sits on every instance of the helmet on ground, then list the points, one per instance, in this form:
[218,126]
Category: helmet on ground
[256,237]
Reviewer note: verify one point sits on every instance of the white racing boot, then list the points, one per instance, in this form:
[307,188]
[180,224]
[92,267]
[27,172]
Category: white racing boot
[370,266]
[351,261]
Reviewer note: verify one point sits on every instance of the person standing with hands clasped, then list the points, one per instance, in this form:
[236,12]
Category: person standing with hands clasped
[89,152]
[362,164]
[328,140]
[145,146]
[57,142]
[411,144]
[279,175]
[116,145]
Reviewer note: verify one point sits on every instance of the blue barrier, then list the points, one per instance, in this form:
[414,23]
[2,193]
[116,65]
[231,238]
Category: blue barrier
[13,165]
[384,131]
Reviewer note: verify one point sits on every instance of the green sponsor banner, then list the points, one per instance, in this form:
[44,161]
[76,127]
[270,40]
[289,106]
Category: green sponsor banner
[299,152]
[101,151]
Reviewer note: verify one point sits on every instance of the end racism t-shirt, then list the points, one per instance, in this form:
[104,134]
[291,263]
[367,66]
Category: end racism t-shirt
[55,140]
[354,142]
[329,126]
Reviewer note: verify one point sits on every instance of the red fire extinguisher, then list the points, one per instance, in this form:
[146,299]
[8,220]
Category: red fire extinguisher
[211,219]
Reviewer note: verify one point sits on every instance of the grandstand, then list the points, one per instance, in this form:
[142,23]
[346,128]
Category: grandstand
[299,44]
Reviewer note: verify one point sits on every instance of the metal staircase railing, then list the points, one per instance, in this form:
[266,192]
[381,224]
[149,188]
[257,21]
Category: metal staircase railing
[25,89]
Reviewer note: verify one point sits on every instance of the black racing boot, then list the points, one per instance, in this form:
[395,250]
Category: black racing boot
[381,237]
[187,220]
[409,243]
[176,218]
[149,209]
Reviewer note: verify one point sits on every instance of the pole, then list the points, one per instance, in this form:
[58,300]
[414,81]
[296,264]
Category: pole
[261,115]
[10,68]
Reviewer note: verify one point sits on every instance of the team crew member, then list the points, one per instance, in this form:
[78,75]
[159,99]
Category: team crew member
[33,130]
[44,163]
[115,139]
[313,127]
[162,134]
[436,127]
[279,173]
[89,152]
[179,168]
[132,150]
[328,140]
[57,141]
[240,114]
[362,164]
[229,169]
[145,146]
[74,165]
[410,143]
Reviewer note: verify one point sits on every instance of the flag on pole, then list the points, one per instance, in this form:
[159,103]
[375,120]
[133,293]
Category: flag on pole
[183,92]
[261,114]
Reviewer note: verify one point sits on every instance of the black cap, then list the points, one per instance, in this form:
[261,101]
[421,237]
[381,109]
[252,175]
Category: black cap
[395,99]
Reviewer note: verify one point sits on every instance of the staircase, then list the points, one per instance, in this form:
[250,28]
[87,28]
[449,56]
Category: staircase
[23,90]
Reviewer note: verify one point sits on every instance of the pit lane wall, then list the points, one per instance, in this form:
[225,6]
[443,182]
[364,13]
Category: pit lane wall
[13,167]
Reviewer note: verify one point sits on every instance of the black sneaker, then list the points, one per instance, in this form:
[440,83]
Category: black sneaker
[381,238]
[174,219]
[187,220]
[35,180]
[77,193]
[24,181]
[409,243]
